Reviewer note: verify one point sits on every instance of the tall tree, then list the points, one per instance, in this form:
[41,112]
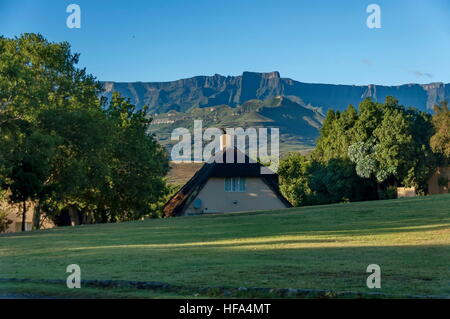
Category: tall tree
[440,141]
[62,147]
[387,143]
[138,163]
[35,75]
[81,165]
[336,135]
[392,145]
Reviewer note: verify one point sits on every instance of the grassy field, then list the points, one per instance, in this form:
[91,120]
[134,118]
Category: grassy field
[321,247]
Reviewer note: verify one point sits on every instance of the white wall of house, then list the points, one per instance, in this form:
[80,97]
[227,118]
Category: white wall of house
[433,183]
[214,198]
[14,213]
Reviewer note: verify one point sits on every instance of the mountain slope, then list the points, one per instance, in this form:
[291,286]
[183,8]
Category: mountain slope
[205,91]
[299,126]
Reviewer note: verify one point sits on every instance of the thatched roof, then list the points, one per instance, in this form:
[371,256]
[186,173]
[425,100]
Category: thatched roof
[181,200]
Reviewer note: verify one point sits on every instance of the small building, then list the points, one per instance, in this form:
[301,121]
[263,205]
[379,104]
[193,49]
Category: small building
[406,192]
[228,186]
[14,214]
[438,183]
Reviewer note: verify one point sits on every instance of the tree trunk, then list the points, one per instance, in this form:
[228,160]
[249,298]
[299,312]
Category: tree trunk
[24,215]
[379,191]
[104,217]
[37,217]
[74,215]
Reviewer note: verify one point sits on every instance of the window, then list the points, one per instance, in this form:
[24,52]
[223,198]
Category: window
[235,184]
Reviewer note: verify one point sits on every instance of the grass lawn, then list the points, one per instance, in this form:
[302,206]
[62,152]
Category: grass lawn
[321,247]
[59,291]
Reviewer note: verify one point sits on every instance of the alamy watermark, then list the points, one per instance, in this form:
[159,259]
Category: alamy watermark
[374,19]
[74,19]
[74,279]
[231,140]
[374,280]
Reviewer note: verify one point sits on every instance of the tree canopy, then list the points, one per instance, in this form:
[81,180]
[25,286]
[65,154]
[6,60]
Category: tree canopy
[62,145]
[440,141]
[380,146]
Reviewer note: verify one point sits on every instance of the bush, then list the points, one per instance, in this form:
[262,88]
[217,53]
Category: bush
[389,192]
[306,181]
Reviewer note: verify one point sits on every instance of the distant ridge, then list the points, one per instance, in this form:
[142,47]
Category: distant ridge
[205,91]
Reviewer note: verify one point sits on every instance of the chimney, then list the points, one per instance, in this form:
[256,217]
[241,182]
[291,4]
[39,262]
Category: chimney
[225,140]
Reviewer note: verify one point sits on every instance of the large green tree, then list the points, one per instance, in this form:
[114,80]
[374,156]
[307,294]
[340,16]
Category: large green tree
[138,163]
[337,134]
[386,141]
[364,154]
[440,141]
[35,76]
[63,147]
[391,145]
[81,165]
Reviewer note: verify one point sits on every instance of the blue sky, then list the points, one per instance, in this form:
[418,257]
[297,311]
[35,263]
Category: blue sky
[310,41]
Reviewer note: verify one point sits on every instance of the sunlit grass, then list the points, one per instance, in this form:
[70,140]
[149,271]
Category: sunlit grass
[321,247]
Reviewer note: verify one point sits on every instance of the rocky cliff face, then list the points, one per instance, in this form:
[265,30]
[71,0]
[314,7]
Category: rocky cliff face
[204,91]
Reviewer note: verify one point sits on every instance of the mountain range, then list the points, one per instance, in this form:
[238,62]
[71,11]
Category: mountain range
[261,100]
[205,91]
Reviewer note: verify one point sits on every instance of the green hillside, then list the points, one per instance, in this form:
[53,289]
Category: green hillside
[299,124]
[321,247]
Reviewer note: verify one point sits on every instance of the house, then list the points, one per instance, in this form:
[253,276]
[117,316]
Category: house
[227,187]
[14,214]
[438,183]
